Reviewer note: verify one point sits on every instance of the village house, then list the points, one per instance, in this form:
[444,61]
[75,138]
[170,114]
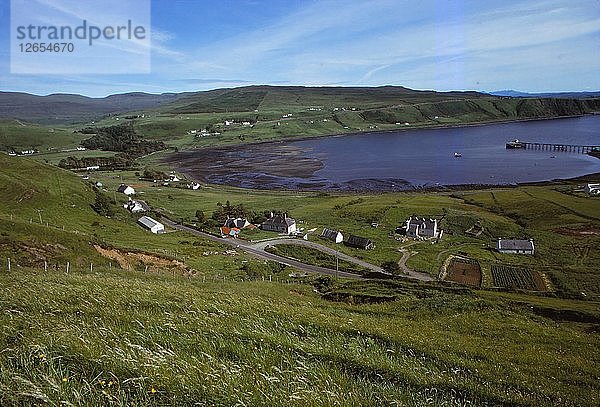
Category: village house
[515,246]
[126,189]
[333,235]
[280,223]
[359,242]
[135,206]
[592,189]
[194,186]
[152,225]
[421,228]
[238,223]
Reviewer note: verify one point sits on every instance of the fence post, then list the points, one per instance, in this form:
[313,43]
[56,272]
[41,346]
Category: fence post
[45,265]
[91,267]
[67,267]
[9,264]
[269,278]
[110,265]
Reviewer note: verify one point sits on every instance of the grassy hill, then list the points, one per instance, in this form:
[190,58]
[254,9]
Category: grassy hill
[69,108]
[124,335]
[126,338]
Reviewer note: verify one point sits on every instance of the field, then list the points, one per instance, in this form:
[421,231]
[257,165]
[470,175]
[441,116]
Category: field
[128,338]
[513,277]
[142,332]
[315,257]
[465,271]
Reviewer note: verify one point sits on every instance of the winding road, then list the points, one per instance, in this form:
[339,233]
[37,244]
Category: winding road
[257,249]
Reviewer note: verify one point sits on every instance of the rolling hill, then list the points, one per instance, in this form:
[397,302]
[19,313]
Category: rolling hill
[68,108]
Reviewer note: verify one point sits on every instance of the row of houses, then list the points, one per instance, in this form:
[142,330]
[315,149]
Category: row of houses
[353,241]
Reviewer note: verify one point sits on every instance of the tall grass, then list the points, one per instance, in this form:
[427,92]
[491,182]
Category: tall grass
[135,339]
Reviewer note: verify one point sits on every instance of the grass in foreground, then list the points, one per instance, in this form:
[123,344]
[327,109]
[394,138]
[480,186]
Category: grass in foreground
[128,339]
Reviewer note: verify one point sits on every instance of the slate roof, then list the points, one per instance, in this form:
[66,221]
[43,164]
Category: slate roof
[280,220]
[122,188]
[513,244]
[357,241]
[329,234]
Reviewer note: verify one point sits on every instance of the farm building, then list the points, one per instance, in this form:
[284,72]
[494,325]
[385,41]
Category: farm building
[238,223]
[359,242]
[134,206]
[421,227]
[126,189]
[592,189]
[152,225]
[333,235]
[515,246]
[280,223]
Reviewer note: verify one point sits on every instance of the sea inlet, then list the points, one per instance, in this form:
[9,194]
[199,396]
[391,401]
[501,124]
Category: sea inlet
[402,160]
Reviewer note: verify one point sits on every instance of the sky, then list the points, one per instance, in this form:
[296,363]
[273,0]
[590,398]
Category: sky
[532,46]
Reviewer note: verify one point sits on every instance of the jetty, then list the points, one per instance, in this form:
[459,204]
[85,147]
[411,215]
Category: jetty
[571,148]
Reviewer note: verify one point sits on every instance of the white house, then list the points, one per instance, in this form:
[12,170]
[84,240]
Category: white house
[237,223]
[421,227]
[136,206]
[126,189]
[153,226]
[592,189]
[333,235]
[515,246]
[280,223]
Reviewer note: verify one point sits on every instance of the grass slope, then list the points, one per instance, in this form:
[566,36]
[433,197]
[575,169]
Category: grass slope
[133,339]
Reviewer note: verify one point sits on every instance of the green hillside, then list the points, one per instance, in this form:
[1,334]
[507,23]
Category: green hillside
[181,324]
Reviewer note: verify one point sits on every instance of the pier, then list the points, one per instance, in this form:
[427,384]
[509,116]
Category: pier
[571,148]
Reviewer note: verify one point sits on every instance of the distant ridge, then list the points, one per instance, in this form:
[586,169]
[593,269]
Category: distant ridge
[384,104]
[566,95]
[62,107]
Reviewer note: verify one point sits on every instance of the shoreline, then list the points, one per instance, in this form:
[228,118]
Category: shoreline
[402,129]
[242,165]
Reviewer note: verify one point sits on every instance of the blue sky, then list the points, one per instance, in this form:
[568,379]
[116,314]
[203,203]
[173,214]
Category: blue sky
[535,46]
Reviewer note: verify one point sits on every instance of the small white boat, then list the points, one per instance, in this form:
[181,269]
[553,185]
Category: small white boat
[457,155]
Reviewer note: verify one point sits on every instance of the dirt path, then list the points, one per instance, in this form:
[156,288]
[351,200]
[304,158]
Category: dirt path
[406,254]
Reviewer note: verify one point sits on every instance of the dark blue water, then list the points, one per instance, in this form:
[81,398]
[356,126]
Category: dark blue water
[426,157]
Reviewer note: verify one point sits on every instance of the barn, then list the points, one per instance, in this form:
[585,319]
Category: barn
[152,225]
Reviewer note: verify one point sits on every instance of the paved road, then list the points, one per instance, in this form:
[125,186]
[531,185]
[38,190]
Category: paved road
[322,248]
[257,249]
[260,253]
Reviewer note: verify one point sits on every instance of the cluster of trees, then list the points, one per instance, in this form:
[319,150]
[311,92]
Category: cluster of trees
[122,139]
[228,210]
[151,174]
[112,163]
[103,205]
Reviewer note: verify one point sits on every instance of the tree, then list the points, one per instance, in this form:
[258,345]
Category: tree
[103,204]
[200,216]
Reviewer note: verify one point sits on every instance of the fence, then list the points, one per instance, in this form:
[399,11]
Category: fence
[9,265]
